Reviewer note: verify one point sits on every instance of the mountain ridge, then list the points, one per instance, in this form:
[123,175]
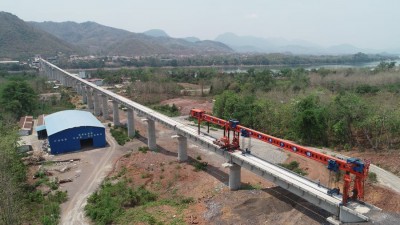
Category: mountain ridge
[19,39]
[100,39]
[250,43]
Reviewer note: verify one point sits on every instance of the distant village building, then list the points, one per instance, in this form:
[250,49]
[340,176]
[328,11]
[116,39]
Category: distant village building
[25,125]
[82,74]
[97,81]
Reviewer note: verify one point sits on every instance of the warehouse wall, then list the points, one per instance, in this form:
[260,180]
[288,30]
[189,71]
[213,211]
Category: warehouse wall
[69,140]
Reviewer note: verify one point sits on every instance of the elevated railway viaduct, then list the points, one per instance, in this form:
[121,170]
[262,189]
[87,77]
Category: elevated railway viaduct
[97,100]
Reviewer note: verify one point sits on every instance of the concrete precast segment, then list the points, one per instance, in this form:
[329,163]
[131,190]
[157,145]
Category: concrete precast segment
[298,185]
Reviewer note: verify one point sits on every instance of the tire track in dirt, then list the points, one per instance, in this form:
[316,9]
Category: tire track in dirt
[74,211]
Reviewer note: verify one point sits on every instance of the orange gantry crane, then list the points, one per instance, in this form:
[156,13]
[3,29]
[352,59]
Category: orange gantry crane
[355,170]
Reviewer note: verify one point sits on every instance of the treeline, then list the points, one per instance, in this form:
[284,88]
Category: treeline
[253,59]
[226,60]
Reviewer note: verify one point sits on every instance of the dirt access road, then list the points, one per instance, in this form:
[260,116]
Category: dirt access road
[95,166]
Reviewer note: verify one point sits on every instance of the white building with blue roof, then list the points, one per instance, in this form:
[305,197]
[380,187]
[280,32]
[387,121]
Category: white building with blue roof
[70,130]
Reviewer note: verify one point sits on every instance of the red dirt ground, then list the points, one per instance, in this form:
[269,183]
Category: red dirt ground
[186,104]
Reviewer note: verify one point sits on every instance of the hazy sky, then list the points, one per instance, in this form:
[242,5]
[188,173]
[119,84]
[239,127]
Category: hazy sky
[363,23]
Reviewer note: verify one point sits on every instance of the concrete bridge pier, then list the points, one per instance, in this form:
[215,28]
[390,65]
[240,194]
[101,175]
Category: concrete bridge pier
[79,87]
[182,147]
[84,94]
[75,85]
[151,134]
[58,76]
[96,103]
[105,107]
[130,123]
[53,74]
[115,113]
[50,73]
[234,175]
[62,78]
[67,81]
[347,216]
[89,97]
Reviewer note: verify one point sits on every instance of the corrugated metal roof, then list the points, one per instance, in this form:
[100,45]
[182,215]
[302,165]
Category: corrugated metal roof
[67,119]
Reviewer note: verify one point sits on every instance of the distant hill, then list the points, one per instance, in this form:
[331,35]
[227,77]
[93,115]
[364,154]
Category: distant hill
[19,39]
[88,35]
[281,45]
[156,33]
[191,39]
[103,40]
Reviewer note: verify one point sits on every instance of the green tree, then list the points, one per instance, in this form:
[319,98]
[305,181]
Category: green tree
[19,98]
[310,121]
[347,111]
[12,175]
[264,80]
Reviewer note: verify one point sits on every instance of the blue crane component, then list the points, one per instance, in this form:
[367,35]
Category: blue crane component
[244,133]
[357,164]
[333,165]
[233,123]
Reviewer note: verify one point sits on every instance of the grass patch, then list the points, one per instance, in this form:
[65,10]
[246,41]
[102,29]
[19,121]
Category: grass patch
[143,149]
[108,203]
[251,187]
[48,207]
[120,204]
[122,172]
[120,134]
[198,166]
[151,212]
[167,110]
[294,166]
[145,175]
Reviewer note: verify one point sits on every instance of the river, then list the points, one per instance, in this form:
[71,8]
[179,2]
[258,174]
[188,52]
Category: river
[243,69]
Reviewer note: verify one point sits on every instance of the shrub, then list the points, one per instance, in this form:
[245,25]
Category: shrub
[200,166]
[372,177]
[143,149]
[120,135]
[145,175]
[366,89]
[167,110]
[107,204]
[36,196]
[294,166]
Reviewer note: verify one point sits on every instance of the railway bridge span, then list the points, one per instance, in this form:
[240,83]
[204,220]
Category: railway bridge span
[97,99]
